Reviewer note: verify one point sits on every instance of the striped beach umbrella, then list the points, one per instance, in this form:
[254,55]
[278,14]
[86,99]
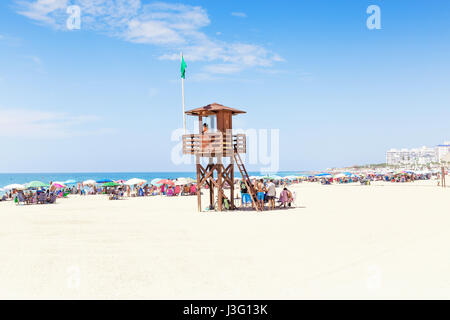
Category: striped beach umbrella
[135,181]
[36,184]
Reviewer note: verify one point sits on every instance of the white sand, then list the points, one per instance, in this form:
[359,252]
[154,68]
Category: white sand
[346,241]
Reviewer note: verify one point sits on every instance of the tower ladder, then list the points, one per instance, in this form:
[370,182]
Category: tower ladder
[244,174]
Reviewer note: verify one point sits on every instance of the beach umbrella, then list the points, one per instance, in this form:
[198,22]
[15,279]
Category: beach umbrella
[181,181]
[135,181]
[58,186]
[274,177]
[185,180]
[166,181]
[60,183]
[70,181]
[324,175]
[155,181]
[349,174]
[90,182]
[36,184]
[104,181]
[14,186]
[110,184]
[340,175]
[120,181]
[401,172]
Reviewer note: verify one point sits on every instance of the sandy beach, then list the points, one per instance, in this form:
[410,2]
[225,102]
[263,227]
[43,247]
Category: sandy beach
[342,241]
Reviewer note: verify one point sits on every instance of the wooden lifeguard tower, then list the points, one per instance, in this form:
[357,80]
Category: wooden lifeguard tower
[216,144]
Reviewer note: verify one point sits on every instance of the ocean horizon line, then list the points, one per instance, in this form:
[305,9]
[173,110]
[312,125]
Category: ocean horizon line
[25,177]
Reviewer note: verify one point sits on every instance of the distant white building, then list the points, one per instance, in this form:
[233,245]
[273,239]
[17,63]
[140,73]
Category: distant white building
[442,150]
[419,156]
[397,157]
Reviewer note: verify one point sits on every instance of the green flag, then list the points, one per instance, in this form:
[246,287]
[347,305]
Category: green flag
[183,68]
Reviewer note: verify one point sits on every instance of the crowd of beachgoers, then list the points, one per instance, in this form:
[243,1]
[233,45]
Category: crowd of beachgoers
[37,192]
[34,192]
[368,176]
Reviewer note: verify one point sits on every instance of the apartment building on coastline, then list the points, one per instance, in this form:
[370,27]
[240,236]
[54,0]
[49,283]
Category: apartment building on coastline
[418,156]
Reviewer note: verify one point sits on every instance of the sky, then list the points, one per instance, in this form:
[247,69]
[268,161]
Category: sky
[107,97]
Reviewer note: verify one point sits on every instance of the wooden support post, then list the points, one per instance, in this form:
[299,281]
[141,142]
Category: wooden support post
[219,183]
[211,184]
[199,188]
[211,192]
[232,183]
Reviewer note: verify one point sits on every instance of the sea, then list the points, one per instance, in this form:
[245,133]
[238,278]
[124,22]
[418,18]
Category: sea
[21,178]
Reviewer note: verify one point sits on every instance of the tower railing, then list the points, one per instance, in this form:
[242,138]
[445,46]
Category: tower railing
[214,144]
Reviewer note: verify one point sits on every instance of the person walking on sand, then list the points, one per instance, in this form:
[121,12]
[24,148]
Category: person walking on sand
[271,194]
[260,191]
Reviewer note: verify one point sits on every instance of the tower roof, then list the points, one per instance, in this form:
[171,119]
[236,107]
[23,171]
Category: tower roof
[212,109]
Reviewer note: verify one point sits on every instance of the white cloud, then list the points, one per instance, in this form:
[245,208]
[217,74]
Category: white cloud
[173,27]
[153,32]
[239,14]
[227,57]
[44,11]
[40,124]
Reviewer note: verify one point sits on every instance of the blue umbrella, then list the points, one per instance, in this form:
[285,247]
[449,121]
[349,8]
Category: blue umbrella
[349,174]
[104,181]
[323,175]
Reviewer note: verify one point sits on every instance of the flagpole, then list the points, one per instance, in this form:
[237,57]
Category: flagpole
[182,96]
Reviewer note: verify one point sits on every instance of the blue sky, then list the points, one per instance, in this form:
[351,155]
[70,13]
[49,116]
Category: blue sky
[107,97]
